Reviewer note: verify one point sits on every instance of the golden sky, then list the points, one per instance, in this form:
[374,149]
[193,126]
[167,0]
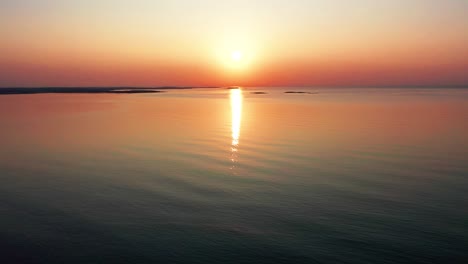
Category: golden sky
[248,43]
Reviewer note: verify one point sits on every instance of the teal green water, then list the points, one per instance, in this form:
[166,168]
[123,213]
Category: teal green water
[223,176]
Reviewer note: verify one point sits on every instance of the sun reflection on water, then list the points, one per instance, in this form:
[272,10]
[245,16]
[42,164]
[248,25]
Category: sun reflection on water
[236,118]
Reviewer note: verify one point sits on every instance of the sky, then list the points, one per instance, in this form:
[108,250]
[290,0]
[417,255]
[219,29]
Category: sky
[245,42]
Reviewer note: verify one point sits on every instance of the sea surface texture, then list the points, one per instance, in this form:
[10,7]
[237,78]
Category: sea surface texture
[248,175]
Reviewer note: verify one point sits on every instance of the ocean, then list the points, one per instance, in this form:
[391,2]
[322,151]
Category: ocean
[250,175]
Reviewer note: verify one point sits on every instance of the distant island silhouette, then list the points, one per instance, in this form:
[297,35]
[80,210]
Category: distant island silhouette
[299,92]
[89,90]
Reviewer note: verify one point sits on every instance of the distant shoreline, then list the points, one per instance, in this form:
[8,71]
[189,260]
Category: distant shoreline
[162,89]
[90,90]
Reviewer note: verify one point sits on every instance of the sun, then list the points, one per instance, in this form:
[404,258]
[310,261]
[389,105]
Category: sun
[236,55]
[235,60]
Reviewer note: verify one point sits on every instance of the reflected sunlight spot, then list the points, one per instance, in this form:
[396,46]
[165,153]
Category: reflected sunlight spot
[236,112]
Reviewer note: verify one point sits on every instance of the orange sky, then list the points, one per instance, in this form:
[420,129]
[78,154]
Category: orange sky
[283,43]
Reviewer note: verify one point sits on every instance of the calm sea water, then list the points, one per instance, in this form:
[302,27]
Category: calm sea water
[227,176]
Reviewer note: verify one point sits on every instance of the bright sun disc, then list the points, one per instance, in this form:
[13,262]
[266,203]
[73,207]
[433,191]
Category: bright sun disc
[236,55]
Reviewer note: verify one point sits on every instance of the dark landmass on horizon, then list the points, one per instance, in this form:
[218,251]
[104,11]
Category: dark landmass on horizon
[299,92]
[90,90]
[134,90]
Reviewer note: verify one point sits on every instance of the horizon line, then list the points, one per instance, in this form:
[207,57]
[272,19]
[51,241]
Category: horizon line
[225,86]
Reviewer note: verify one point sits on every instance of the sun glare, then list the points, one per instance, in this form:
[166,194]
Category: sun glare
[235,59]
[236,55]
[236,112]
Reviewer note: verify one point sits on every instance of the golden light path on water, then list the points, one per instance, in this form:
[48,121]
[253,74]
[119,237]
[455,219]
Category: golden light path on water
[236,118]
